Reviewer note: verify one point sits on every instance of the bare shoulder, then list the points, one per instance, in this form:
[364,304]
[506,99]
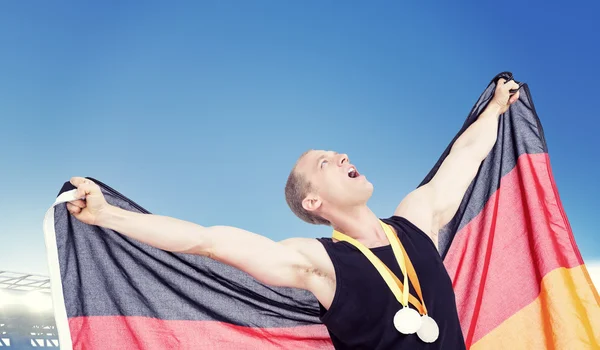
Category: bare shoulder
[418,208]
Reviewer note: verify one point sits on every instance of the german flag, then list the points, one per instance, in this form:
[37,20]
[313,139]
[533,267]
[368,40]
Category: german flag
[519,279]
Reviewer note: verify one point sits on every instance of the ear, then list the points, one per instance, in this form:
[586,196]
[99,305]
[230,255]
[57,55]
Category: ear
[311,203]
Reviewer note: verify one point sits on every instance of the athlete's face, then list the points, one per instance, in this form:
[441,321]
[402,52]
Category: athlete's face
[334,180]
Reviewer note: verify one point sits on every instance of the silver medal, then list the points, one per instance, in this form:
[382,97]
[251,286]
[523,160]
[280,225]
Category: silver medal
[407,321]
[429,330]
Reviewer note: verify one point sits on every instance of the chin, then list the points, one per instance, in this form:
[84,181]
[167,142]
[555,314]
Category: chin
[369,190]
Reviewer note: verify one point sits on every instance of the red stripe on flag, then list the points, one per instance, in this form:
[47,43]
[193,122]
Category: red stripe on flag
[518,238]
[134,332]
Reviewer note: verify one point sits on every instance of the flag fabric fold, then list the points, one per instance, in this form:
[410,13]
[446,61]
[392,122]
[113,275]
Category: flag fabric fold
[519,278]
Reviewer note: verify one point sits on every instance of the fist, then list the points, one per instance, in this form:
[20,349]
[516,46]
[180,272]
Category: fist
[90,202]
[503,97]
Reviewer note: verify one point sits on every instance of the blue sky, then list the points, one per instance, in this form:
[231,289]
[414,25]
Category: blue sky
[198,110]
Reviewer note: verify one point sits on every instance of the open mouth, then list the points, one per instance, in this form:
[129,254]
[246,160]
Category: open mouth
[353,173]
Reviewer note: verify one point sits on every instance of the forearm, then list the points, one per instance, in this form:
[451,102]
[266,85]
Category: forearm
[162,232]
[481,136]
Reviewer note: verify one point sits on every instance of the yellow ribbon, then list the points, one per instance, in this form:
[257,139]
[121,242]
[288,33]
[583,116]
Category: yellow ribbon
[403,296]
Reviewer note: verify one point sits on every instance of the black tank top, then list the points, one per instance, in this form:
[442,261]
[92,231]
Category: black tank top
[363,308]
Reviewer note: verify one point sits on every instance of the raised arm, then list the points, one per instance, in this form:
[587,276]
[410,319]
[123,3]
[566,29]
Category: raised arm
[285,264]
[433,205]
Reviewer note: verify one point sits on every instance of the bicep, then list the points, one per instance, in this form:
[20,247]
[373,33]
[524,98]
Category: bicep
[269,262]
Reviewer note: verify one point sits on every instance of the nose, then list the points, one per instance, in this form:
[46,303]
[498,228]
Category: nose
[342,158]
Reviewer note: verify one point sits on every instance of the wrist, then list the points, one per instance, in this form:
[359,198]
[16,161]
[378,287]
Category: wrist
[106,216]
[494,107]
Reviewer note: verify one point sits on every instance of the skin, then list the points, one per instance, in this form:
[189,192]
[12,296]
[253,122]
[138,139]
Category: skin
[303,262]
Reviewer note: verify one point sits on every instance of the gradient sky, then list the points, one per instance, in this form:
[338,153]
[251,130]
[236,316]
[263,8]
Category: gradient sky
[198,110]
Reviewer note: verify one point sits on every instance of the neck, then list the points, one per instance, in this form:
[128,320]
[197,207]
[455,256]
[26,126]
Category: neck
[359,223]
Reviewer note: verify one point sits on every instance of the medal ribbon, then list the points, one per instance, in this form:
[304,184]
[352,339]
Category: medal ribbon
[400,290]
[412,274]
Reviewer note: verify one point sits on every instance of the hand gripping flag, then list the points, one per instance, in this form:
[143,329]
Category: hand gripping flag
[519,279]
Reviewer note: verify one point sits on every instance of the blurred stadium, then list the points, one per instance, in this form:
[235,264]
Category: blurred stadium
[26,318]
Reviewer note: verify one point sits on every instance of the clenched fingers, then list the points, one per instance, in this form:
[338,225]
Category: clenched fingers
[73,209]
[77,180]
[514,97]
[511,85]
[86,187]
[79,203]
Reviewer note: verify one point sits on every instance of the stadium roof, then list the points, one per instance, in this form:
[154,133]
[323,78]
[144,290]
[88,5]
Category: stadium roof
[24,282]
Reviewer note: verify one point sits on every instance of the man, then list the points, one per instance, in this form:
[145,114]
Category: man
[359,306]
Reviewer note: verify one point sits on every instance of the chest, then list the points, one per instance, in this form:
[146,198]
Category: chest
[361,276]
